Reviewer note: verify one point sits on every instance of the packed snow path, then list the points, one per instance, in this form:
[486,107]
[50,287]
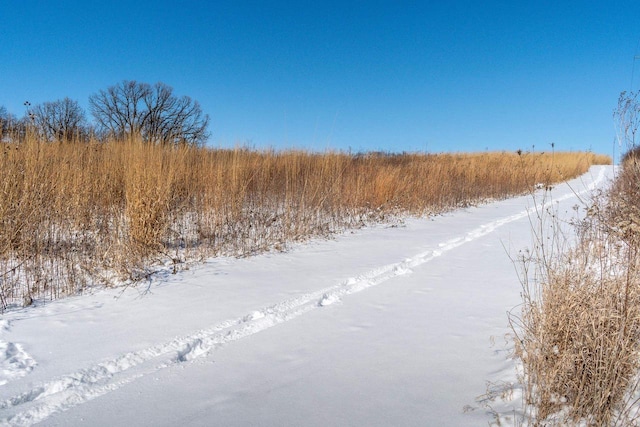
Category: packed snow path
[399,325]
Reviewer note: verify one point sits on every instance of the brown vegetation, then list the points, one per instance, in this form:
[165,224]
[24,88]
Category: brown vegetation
[578,336]
[579,333]
[73,214]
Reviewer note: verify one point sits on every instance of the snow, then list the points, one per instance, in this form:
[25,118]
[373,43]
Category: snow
[381,326]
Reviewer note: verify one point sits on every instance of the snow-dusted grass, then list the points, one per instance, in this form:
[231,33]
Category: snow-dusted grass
[578,334]
[72,215]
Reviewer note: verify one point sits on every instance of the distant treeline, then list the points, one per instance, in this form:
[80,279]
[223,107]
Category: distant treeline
[126,110]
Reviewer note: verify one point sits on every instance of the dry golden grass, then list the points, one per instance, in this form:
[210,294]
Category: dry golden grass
[72,214]
[579,333]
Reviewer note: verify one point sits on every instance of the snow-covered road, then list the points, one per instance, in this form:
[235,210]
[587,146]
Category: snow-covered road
[400,325]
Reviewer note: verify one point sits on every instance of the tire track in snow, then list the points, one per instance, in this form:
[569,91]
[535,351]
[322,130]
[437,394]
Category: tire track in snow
[65,392]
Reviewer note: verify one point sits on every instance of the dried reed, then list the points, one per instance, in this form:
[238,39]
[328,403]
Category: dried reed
[73,214]
[578,337]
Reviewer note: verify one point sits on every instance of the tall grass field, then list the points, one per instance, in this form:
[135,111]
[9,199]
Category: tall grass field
[73,215]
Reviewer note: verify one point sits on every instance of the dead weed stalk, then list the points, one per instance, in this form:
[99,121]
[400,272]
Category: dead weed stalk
[578,335]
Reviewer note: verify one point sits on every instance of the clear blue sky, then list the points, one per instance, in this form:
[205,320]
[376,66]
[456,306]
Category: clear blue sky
[365,75]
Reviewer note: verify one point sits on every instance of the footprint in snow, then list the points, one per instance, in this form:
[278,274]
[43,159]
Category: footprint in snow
[253,316]
[192,350]
[14,362]
[328,299]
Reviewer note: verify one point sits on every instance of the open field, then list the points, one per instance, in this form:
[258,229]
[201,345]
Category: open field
[76,214]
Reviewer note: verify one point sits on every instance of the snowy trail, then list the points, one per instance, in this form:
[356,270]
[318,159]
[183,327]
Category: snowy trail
[31,403]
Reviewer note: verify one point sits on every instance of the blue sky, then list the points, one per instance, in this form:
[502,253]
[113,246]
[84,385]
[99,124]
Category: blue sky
[365,75]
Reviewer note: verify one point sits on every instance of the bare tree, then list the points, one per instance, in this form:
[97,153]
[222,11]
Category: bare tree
[5,122]
[61,120]
[173,120]
[151,112]
[11,128]
[118,110]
